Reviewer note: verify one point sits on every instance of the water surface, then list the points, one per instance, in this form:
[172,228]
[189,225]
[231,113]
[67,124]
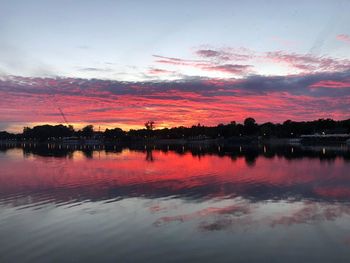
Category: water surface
[174,204]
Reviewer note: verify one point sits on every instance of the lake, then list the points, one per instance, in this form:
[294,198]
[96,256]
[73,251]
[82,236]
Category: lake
[174,203]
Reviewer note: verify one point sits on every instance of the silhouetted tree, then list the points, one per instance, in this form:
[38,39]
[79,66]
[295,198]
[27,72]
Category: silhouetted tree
[149,125]
[6,136]
[288,128]
[114,133]
[87,131]
[45,132]
[250,126]
[266,129]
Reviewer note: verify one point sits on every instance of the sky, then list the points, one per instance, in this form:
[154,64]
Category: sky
[122,63]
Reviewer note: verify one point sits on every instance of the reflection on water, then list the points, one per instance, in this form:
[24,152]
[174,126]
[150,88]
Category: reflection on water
[174,203]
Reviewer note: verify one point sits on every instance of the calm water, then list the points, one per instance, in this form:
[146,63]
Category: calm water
[174,204]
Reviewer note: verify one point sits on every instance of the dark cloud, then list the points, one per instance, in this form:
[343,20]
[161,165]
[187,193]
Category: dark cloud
[314,85]
[159,71]
[225,54]
[208,53]
[297,84]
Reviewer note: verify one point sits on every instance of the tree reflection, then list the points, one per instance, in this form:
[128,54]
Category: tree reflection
[249,152]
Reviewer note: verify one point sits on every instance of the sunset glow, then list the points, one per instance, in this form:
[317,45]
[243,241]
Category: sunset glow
[174,131]
[123,68]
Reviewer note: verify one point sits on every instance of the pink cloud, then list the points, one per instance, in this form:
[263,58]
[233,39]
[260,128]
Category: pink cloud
[235,69]
[304,63]
[179,61]
[174,103]
[331,84]
[344,38]
[308,63]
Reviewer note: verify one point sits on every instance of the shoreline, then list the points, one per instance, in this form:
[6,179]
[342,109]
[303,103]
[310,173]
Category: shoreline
[215,141]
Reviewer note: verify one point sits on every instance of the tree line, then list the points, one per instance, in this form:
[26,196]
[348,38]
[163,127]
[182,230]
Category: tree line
[249,128]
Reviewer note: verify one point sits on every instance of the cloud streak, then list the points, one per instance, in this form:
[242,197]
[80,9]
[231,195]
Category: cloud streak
[241,62]
[344,38]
